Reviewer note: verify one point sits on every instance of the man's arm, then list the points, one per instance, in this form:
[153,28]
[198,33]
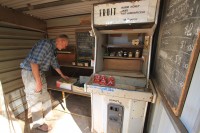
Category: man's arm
[56,66]
[61,74]
[36,74]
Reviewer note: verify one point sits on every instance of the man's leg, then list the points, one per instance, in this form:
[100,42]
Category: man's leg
[46,99]
[33,99]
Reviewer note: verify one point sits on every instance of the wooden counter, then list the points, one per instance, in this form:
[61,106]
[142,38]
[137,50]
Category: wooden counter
[51,85]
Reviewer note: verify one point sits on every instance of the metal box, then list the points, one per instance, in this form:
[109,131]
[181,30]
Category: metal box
[133,100]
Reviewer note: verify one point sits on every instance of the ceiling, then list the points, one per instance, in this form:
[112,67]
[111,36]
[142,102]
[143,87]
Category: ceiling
[48,9]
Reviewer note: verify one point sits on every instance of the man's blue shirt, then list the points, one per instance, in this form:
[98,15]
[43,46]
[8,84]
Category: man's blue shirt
[42,54]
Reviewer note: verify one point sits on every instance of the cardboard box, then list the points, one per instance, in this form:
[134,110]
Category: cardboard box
[61,83]
[79,85]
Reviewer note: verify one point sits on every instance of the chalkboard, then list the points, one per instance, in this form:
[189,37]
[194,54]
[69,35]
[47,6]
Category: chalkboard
[85,45]
[177,50]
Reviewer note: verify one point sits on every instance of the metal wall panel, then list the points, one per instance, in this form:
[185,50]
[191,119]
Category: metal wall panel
[17,101]
[13,85]
[19,34]
[7,66]
[46,9]
[6,77]
[14,95]
[20,109]
[66,21]
[14,46]
[64,10]
[68,26]
[23,3]
[70,31]
[17,104]
[13,54]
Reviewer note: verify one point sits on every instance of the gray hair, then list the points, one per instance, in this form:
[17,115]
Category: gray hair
[63,36]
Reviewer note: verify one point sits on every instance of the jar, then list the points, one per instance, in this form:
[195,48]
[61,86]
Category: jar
[137,54]
[130,54]
[120,53]
[125,54]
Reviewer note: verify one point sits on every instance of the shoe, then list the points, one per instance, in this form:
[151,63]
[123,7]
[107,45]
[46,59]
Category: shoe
[44,128]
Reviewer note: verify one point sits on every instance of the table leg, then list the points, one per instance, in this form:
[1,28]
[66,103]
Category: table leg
[64,97]
[64,100]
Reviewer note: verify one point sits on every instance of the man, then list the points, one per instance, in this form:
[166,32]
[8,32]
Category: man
[40,58]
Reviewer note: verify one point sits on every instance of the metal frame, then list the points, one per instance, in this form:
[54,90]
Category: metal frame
[150,50]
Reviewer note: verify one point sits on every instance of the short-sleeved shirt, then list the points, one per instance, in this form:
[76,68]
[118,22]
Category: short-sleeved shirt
[42,54]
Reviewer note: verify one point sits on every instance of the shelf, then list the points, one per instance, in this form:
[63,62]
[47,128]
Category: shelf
[135,74]
[68,65]
[64,52]
[123,46]
[71,49]
[122,58]
[148,31]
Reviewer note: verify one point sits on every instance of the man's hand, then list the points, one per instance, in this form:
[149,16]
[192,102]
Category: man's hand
[38,87]
[65,77]
[61,74]
[36,74]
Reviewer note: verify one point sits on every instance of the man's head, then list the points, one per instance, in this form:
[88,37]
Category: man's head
[62,41]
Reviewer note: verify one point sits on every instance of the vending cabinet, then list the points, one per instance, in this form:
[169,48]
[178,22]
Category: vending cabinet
[119,85]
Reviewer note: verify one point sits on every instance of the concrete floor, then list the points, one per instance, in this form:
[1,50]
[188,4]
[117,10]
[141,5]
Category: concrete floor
[76,118]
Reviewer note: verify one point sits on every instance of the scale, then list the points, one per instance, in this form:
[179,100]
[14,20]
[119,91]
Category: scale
[121,108]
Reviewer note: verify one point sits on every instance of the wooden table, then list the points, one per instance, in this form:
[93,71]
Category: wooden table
[51,86]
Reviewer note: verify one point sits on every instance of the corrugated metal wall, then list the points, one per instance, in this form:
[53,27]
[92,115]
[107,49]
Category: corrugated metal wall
[15,4]
[14,47]
[79,8]
[15,44]
[68,26]
[47,9]
[69,30]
